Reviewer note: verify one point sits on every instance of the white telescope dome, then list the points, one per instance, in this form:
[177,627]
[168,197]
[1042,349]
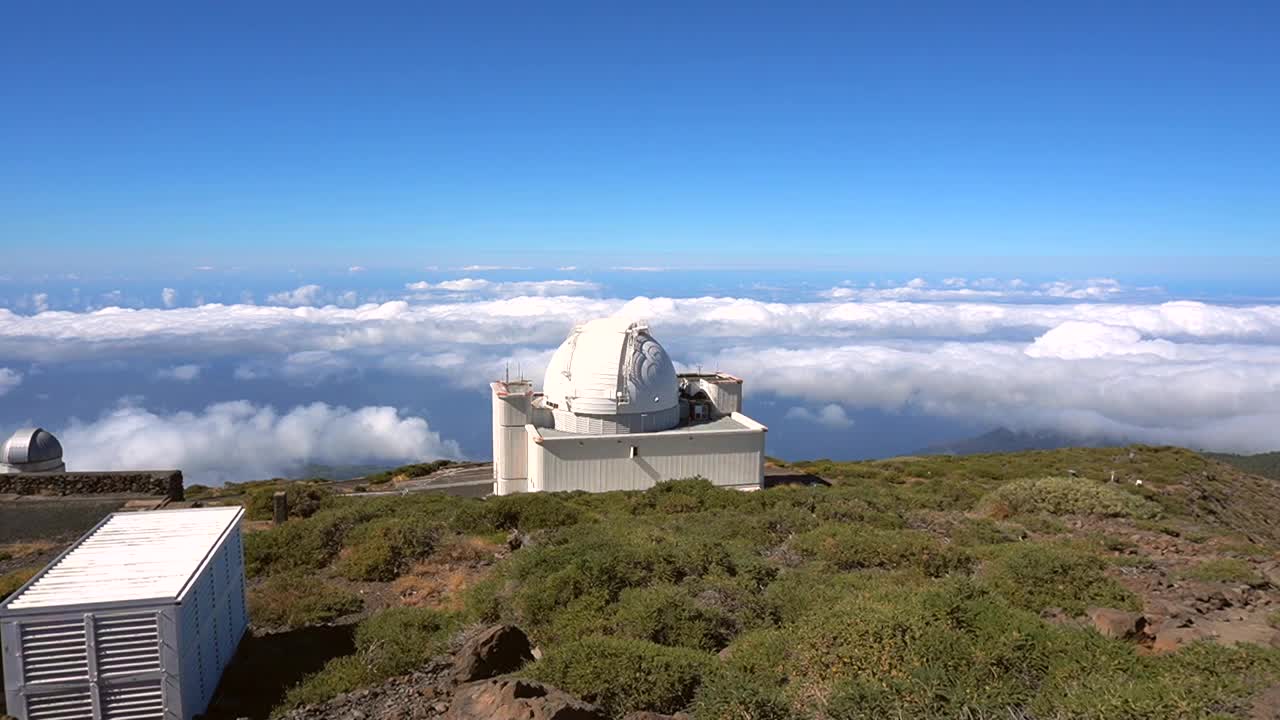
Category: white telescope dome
[611,376]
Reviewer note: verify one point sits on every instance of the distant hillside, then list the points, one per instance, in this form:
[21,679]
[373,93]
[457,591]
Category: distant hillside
[334,472]
[1265,464]
[1006,440]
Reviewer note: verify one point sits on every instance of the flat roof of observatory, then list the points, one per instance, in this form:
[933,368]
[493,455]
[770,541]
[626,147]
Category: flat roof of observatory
[130,556]
[722,424]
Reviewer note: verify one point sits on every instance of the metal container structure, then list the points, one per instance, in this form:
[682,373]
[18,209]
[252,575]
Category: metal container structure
[135,621]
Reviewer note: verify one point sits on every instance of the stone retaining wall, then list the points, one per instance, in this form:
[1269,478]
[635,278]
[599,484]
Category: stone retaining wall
[165,483]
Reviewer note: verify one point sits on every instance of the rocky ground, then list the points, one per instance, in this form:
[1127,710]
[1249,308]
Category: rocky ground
[467,685]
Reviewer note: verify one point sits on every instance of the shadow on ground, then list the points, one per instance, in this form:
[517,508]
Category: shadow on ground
[266,666]
[779,479]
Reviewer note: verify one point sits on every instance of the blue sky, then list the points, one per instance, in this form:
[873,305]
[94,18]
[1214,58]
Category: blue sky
[271,135]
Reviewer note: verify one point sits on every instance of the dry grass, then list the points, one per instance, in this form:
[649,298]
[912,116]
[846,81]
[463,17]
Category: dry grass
[28,548]
[439,581]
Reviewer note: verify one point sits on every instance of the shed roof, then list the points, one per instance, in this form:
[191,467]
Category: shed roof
[130,556]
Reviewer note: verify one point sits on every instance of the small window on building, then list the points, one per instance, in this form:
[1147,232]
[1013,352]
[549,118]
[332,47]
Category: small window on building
[635,451]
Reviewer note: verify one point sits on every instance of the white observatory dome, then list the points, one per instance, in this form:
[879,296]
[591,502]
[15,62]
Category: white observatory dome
[611,376]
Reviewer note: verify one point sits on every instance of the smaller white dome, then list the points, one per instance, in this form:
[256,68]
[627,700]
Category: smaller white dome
[31,450]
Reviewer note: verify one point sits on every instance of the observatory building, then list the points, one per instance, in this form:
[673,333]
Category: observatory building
[31,450]
[614,415]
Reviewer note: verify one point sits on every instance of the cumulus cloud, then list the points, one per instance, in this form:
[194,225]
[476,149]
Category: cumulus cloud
[983,289]
[169,297]
[242,441]
[506,289]
[9,379]
[305,295]
[180,373]
[40,302]
[1198,373]
[830,415]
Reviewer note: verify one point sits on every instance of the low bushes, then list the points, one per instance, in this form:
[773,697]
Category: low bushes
[667,615]
[384,549]
[623,675]
[1224,570]
[1066,496]
[297,599]
[1036,576]
[304,500]
[410,471]
[525,512]
[853,547]
[393,642]
[889,652]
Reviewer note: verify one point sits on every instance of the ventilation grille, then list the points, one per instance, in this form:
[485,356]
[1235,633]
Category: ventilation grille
[67,705]
[139,701]
[127,644]
[54,652]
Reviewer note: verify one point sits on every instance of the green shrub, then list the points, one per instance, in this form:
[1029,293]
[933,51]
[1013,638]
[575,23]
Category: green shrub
[304,500]
[688,495]
[391,643]
[798,592]
[298,599]
[601,560]
[1035,576]
[984,531]
[524,511]
[622,675]
[1066,496]
[1224,570]
[383,549]
[950,651]
[312,543]
[303,544]
[852,547]
[728,695]
[1042,524]
[667,615]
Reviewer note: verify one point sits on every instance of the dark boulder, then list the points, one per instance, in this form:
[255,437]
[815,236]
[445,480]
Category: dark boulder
[493,651]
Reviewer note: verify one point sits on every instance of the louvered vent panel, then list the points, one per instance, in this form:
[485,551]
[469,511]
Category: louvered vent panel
[67,705]
[54,652]
[127,644]
[137,701]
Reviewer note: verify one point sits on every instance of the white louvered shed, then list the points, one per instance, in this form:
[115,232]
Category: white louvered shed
[135,621]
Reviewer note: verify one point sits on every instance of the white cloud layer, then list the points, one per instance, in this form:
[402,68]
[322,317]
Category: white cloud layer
[180,373]
[242,441]
[1200,374]
[9,379]
[831,415]
[305,295]
[534,288]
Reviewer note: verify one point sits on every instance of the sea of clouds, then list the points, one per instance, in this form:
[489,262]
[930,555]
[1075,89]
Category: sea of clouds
[1091,358]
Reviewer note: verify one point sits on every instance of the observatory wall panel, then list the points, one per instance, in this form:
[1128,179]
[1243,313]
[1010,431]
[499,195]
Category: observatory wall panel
[137,620]
[639,461]
[513,458]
